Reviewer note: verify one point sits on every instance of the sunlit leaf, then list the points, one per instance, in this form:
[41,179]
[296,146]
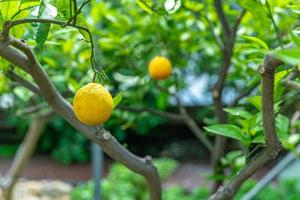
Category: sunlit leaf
[172,6]
[256,40]
[227,130]
[294,8]
[238,112]
[144,5]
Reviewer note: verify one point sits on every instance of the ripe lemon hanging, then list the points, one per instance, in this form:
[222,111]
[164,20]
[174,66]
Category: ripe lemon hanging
[160,68]
[93,104]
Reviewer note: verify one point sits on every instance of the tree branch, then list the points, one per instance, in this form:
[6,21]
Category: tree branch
[291,84]
[222,17]
[243,94]
[25,83]
[77,12]
[267,71]
[97,134]
[167,115]
[237,22]
[288,81]
[189,121]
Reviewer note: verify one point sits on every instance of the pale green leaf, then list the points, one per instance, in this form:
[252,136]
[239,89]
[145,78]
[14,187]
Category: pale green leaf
[238,112]
[144,5]
[290,56]
[294,8]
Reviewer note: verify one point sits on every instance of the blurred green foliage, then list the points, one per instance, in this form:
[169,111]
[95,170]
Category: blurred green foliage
[122,184]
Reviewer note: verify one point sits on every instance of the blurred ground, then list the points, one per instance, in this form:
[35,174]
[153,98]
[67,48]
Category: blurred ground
[41,190]
[189,174]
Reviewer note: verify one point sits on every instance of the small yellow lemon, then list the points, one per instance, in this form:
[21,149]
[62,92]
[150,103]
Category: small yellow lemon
[92,104]
[160,68]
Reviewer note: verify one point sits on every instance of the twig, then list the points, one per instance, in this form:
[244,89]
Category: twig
[222,17]
[74,17]
[189,121]
[25,83]
[237,22]
[165,114]
[245,92]
[274,24]
[10,24]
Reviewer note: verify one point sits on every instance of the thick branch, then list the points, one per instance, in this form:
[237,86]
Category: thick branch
[97,134]
[267,71]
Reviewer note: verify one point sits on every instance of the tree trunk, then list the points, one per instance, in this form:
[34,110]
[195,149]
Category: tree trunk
[23,154]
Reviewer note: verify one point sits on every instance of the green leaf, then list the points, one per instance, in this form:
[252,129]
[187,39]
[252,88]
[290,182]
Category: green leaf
[256,40]
[279,76]
[8,9]
[258,11]
[294,8]
[1,19]
[117,99]
[238,112]
[255,101]
[144,5]
[290,56]
[227,130]
[42,34]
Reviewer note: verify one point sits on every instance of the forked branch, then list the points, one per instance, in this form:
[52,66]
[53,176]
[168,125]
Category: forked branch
[267,71]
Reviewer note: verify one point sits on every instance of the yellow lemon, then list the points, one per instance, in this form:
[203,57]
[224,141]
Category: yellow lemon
[93,104]
[160,68]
